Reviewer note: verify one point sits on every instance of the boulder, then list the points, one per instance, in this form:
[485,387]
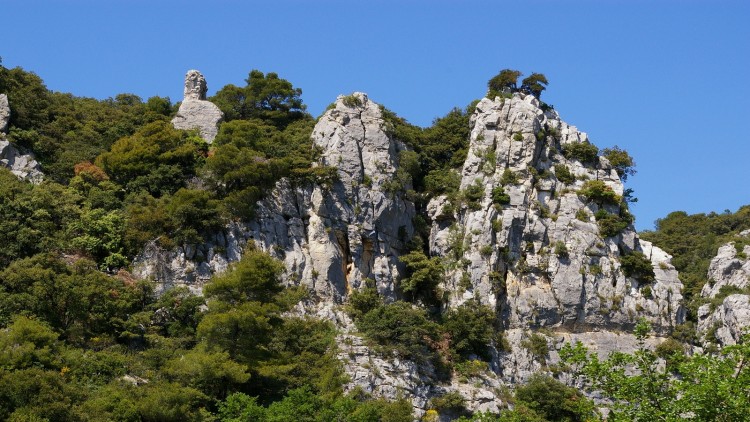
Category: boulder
[23,165]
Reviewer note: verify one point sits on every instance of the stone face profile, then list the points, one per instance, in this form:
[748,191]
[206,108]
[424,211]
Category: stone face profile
[195,111]
[195,86]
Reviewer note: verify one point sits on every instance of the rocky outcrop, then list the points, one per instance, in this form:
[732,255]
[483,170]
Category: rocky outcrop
[537,255]
[4,113]
[727,315]
[519,237]
[195,111]
[330,238]
[23,165]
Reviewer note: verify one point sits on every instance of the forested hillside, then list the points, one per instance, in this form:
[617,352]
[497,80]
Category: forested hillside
[478,322]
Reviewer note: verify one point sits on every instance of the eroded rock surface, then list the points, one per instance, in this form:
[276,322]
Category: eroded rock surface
[23,165]
[4,113]
[540,259]
[537,257]
[330,238]
[195,111]
[729,272]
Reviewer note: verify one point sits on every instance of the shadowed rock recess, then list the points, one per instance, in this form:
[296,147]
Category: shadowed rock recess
[528,244]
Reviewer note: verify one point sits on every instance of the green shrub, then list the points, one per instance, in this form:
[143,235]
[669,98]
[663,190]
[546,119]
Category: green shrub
[635,264]
[582,215]
[560,249]
[470,329]
[554,401]
[563,174]
[621,161]
[401,329]
[499,196]
[449,402]
[474,194]
[509,178]
[352,101]
[537,345]
[646,292]
[423,275]
[518,137]
[439,182]
[611,225]
[599,192]
[584,152]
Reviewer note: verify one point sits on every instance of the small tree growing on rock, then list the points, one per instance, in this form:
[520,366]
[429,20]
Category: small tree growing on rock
[534,84]
[504,82]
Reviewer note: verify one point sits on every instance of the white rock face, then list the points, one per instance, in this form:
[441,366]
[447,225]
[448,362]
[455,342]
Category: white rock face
[195,112]
[539,260]
[534,259]
[330,238]
[727,322]
[4,113]
[24,166]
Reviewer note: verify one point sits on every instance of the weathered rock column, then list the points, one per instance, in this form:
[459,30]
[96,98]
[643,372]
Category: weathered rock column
[4,112]
[195,111]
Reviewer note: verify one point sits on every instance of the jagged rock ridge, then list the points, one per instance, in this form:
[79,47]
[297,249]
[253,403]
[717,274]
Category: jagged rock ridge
[509,256]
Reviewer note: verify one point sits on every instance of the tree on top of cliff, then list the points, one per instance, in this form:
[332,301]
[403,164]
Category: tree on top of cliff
[266,97]
[505,81]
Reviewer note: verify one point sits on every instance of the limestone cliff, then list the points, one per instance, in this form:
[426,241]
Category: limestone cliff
[726,321]
[520,237]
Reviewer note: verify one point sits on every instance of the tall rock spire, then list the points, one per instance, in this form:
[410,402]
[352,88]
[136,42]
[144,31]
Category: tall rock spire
[195,112]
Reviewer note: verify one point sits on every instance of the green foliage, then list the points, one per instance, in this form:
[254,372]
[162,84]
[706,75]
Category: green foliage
[693,240]
[78,301]
[474,194]
[636,265]
[537,345]
[611,225]
[505,81]
[698,387]
[508,178]
[266,97]
[452,402]
[423,275]
[352,101]
[554,401]
[157,159]
[33,219]
[622,162]
[584,152]
[563,174]
[470,328]
[363,301]
[439,182]
[187,217]
[499,196]
[534,84]
[560,249]
[401,329]
[599,192]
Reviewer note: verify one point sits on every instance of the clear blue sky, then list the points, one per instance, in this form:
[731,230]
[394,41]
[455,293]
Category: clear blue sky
[666,80]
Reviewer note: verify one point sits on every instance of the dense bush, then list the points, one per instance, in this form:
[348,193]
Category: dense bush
[471,329]
[584,152]
[635,264]
[599,192]
[563,174]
